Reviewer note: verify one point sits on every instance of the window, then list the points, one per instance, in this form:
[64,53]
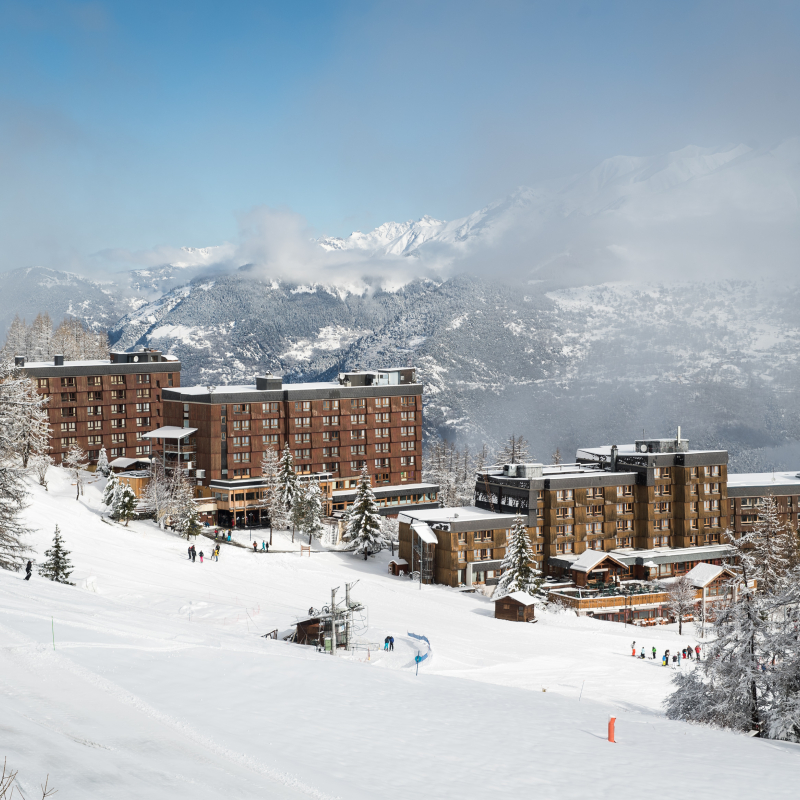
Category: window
[271,438]
[382,402]
[241,408]
[358,434]
[143,393]
[564,530]
[302,422]
[118,438]
[68,412]
[662,472]
[408,445]
[563,512]
[43,383]
[142,422]
[624,524]
[270,408]
[595,511]
[482,554]
[407,416]
[270,423]
[119,409]
[117,380]
[749,519]
[407,401]
[595,527]
[403,477]
[382,447]
[663,508]
[143,450]
[407,431]
[330,452]
[117,394]
[94,425]
[715,471]
[169,378]
[594,544]
[330,405]
[358,449]
[118,423]
[332,466]
[241,441]
[693,489]
[118,452]
[358,419]
[358,403]
[302,438]
[564,494]
[384,417]
[694,472]
[333,420]
[662,490]
[661,541]
[694,524]
[238,458]
[462,538]
[357,465]
[95,397]
[594,491]
[143,378]
[68,440]
[407,461]
[67,427]
[624,541]
[67,382]
[661,524]
[302,405]
[303,455]
[382,477]
[238,474]
[330,436]
[381,463]
[69,397]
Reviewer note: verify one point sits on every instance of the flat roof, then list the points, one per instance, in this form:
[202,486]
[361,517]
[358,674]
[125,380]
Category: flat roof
[630,450]
[382,491]
[169,432]
[762,480]
[458,516]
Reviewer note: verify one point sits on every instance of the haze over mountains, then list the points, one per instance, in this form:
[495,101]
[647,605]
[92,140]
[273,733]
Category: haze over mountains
[648,292]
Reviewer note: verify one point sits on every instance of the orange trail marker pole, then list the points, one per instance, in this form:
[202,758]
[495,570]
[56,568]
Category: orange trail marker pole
[611,721]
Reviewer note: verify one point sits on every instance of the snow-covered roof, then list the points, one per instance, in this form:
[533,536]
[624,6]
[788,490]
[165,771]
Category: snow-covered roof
[589,559]
[460,514]
[701,575]
[399,488]
[630,450]
[169,432]
[126,462]
[401,562]
[520,597]
[763,479]
[425,532]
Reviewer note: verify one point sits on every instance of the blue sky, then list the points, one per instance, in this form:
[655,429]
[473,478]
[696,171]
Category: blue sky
[139,124]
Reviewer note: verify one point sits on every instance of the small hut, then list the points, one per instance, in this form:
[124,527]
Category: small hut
[516,607]
[398,566]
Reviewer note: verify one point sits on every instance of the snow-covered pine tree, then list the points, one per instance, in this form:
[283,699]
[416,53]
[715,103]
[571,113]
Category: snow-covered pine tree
[519,566]
[102,463]
[776,543]
[16,340]
[158,496]
[271,500]
[39,339]
[312,519]
[184,514]
[681,599]
[516,450]
[297,513]
[363,533]
[287,483]
[110,489]
[123,505]
[75,462]
[57,567]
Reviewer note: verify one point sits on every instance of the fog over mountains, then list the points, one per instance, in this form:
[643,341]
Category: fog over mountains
[646,293]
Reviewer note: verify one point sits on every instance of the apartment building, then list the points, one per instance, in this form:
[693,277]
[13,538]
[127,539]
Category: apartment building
[101,403]
[747,490]
[655,493]
[334,429]
[454,546]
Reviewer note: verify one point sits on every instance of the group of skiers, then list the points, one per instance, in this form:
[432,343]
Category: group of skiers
[686,653]
[264,546]
[193,554]
[388,643]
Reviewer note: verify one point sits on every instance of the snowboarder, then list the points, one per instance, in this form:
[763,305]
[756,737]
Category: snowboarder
[391,642]
[697,650]
[28,570]
[654,654]
[641,655]
[633,648]
[386,643]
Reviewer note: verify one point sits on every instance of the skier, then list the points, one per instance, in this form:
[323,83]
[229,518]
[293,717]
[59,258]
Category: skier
[386,643]
[217,553]
[654,653]
[189,551]
[28,570]
[391,642]
[697,650]
[201,556]
[633,648]
[194,554]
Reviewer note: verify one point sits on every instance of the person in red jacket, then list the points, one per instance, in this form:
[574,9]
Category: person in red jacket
[255,547]
[697,650]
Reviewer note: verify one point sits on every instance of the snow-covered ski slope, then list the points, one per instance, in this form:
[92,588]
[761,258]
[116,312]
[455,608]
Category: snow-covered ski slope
[160,686]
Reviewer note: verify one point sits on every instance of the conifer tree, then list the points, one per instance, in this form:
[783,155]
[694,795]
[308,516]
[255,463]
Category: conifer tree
[518,573]
[57,567]
[123,503]
[363,533]
[515,450]
[102,463]
[111,487]
[184,513]
[298,509]
[271,500]
[287,483]
[312,519]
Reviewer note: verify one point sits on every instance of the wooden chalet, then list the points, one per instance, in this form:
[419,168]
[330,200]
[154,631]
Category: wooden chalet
[515,607]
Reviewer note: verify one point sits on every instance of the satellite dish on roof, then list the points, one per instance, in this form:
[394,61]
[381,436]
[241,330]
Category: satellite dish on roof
[643,448]
[136,358]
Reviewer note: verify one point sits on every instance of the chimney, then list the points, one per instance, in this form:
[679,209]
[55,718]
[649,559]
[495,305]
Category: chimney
[58,361]
[19,361]
[613,458]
